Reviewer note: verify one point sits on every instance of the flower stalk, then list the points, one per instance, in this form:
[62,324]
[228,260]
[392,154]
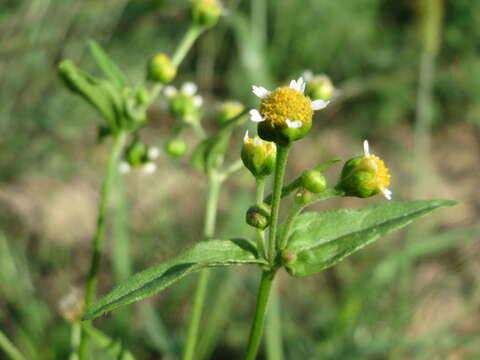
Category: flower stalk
[96,251]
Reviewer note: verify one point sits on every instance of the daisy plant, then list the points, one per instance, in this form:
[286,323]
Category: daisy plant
[124,106]
[302,243]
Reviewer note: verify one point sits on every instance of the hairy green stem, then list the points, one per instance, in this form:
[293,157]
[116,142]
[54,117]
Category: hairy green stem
[9,348]
[260,238]
[281,162]
[214,184]
[260,312]
[96,251]
[76,331]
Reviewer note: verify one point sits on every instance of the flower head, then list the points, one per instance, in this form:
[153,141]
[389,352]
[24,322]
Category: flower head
[205,13]
[365,176]
[161,69]
[258,155]
[139,156]
[184,103]
[285,114]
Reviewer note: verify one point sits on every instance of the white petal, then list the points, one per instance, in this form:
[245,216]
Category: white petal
[366,148]
[301,84]
[373,164]
[255,116]
[319,104]
[293,84]
[149,168]
[170,91]
[294,124]
[124,167]
[189,88]
[198,100]
[153,153]
[245,138]
[257,141]
[260,91]
[387,193]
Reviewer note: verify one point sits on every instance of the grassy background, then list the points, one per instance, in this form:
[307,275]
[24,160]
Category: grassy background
[415,295]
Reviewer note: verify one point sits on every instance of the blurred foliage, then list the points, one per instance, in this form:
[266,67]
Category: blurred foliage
[364,309]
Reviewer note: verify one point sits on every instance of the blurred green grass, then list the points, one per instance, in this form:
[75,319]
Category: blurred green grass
[398,300]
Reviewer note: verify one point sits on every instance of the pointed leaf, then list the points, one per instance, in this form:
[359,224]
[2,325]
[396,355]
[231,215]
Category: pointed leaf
[321,240]
[148,282]
[109,68]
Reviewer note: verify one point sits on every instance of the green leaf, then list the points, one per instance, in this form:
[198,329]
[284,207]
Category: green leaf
[100,93]
[205,254]
[321,240]
[109,68]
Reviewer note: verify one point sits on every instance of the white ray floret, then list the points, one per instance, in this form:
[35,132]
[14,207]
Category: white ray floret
[189,88]
[257,141]
[387,193]
[294,124]
[170,91]
[149,168]
[124,167]
[298,85]
[307,75]
[255,116]
[366,148]
[260,91]
[319,104]
[153,152]
[245,138]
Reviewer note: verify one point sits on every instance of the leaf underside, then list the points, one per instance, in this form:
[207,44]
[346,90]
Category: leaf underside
[321,240]
[205,254]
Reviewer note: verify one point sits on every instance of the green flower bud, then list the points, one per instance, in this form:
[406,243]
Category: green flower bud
[303,196]
[160,69]
[258,155]
[314,181]
[227,111]
[365,176]
[288,257]
[136,154]
[285,114]
[258,216]
[205,13]
[176,147]
[319,87]
[142,96]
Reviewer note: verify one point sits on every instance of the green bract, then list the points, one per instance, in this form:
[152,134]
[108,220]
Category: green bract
[205,13]
[314,181]
[258,216]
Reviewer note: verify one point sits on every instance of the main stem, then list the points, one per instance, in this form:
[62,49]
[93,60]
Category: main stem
[96,251]
[214,184]
[268,275]
[280,165]
[260,313]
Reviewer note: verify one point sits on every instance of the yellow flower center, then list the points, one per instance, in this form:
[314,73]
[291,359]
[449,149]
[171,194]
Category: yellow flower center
[286,104]
[268,147]
[382,177]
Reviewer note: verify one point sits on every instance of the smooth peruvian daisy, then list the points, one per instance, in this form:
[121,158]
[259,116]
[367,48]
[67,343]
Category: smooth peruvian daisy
[364,176]
[258,155]
[285,114]
[382,176]
[184,104]
[187,89]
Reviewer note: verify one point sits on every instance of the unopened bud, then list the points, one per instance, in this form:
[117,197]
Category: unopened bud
[314,181]
[161,69]
[176,147]
[258,216]
[258,155]
[142,96]
[205,13]
[288,257]
[303,196]
[319,87]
